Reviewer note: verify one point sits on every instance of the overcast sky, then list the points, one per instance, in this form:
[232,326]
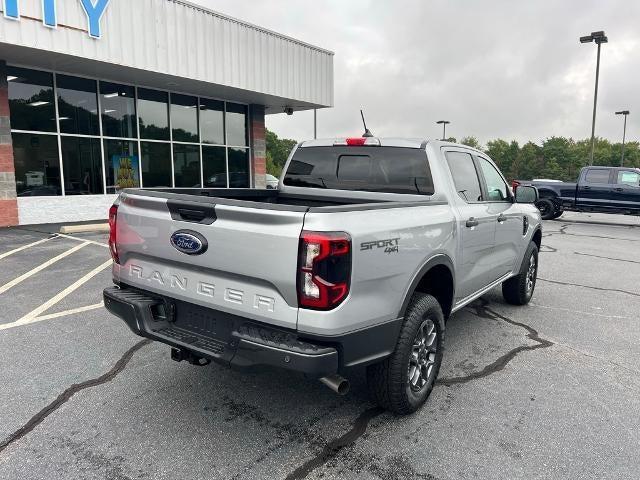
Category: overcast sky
[494,68]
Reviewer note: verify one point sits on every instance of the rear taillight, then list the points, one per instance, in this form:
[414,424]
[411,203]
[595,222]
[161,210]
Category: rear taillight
[324,269]
[113,220]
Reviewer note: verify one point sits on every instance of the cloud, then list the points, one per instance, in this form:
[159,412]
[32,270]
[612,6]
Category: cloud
[494,68]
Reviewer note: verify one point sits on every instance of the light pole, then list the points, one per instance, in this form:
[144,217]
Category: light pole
[599,38]
[444,124]
[315,123]
[624,133]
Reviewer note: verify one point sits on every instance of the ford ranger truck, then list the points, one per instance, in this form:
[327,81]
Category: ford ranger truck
[357,259]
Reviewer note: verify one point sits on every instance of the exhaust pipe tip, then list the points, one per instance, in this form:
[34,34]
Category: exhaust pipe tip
[338,384]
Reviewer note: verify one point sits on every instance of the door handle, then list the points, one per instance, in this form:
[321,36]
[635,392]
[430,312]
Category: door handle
[619,189]
[502,218]
[586,187]
[472,222]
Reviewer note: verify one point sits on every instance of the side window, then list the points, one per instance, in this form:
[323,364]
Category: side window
[629,178]
[465,176]
[597,175]
[497,190]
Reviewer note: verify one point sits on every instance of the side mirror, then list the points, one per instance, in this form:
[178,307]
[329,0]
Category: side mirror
[526,194]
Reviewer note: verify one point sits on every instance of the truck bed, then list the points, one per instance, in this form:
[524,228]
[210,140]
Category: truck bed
[276,200]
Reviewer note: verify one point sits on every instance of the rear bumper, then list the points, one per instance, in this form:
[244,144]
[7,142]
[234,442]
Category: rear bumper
[215,335]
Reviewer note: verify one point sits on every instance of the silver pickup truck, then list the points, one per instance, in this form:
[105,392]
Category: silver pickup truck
[358,259]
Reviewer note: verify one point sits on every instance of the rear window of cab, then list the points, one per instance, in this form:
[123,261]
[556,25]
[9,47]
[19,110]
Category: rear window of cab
[376,169]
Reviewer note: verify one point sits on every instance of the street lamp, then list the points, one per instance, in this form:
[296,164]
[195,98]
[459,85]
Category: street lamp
[624,133]
[599,38]
[444,124]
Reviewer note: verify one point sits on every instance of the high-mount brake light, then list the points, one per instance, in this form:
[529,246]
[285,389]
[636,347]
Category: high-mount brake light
[113,220]
[324,269]
[358,142]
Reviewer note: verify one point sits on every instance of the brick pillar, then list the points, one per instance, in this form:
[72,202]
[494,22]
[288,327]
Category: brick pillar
[257,135]
[8,202]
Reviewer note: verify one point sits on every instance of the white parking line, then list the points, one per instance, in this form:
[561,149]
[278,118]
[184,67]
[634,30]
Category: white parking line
[39,268]
[32,317]
[73,311]
[93,242]
[24,247]
[54,315]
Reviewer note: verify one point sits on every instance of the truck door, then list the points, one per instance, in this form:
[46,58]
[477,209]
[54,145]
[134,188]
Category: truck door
[626,189]
[509,221]
[476,224]
[594,189]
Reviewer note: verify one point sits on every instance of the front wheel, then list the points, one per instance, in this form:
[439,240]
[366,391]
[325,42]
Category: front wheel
[402,382]
[547,208]
[518,290]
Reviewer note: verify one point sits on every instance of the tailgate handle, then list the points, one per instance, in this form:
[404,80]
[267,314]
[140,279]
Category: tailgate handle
[192,212]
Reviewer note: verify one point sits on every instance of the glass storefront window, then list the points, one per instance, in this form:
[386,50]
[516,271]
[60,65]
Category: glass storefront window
[153,110]
[37,164]
[214,167]
[184,118]
[122,165]
[77,105]
[186,165]
[237,125]
[212,121]
[128,135]
[82,166]
[238,168]
[156,165]
[31,100]
[118,103]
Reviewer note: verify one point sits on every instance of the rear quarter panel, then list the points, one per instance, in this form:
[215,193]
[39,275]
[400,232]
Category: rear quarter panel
[380,278]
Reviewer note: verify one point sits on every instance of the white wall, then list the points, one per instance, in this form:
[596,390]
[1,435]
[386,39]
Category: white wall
[174,38]
[38,210]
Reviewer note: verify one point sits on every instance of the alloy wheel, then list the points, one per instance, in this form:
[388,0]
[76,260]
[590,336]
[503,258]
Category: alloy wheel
[423,355]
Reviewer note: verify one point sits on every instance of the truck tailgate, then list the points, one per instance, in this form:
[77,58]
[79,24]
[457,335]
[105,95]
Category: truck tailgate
[248,269]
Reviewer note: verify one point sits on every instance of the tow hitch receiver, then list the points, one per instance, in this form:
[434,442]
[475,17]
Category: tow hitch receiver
[178,355]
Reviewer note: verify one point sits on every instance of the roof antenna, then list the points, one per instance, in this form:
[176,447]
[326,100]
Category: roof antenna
[367,133]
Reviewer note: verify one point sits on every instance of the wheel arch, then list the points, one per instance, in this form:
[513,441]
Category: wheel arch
[436,277]
[547,193]
[537,238]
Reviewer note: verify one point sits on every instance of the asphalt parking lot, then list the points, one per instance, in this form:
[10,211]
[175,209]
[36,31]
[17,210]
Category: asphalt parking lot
[551,390]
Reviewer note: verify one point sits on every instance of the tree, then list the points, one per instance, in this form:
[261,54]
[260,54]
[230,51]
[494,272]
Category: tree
[558,158]
[272,168]
[278,150]
[471,142]
[503,153]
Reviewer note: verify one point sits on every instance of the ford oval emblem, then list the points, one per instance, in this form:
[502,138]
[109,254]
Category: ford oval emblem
[191,243]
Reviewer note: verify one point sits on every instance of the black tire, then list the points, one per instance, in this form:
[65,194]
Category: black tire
[547,208]
[557,215]
[389,381]
[518,290]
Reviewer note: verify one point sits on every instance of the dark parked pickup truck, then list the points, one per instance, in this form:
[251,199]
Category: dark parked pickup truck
[599,189]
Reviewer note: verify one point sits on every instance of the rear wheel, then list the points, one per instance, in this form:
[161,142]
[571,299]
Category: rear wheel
[402,382]
[518,290]
[547,208]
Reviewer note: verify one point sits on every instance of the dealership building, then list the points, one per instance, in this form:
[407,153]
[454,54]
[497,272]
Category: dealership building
[100,95]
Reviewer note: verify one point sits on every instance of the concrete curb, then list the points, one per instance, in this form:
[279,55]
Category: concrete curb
[93,228]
